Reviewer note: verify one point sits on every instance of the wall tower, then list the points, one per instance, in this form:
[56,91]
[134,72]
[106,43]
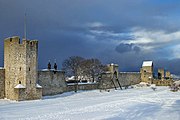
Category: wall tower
[147,72]
[20,63]
[161,74]
[113,69]
[168,75]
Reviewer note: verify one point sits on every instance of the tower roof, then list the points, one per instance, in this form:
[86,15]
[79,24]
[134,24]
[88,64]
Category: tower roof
[147,63]
[38,86]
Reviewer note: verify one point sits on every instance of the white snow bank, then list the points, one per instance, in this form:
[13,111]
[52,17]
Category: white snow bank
[177,83]
[153,85]
[175,86]
[141,84]
[130,104]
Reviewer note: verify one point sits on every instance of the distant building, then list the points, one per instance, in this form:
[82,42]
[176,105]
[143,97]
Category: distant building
[147,75]
[161,74]
[147,71]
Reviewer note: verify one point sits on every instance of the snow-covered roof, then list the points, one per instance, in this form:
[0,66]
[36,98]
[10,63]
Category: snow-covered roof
[130,72]
[71,78]
[19,86]
[88,83]
[112,64]
[38,86]
[79,77]
[44,70]
[147,63]
[49,70]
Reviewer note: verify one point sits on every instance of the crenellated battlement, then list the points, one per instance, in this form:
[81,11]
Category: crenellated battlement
[20,62]
[30,42]
[16,40]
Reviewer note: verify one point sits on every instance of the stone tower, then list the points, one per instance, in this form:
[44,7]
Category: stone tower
[161,74]
[113,69]
[147,72]
[20,63]
[168,75]
[113,75]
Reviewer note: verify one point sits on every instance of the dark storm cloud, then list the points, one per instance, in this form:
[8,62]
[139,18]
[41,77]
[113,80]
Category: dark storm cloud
[171,65]
[123,48]
[132,62]
[91,28]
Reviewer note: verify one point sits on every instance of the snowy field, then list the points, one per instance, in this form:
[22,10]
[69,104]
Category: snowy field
[130,104]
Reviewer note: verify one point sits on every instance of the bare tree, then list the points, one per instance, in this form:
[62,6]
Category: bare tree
[72,67]
[92,68]
[79,67]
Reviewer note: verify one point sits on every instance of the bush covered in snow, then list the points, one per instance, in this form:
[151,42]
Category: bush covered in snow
[175,86]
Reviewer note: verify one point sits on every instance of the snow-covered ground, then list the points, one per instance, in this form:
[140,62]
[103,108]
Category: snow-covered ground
[130,104]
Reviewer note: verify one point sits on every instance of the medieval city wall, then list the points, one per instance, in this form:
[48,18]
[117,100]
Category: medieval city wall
[2,83]
[129,78]
[52,82]
[124,79]
[82,86]
[108,82]
[19,76]
[160,82]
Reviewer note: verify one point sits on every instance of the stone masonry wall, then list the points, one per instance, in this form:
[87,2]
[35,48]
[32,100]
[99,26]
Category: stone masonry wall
[129,78]
[124,78]
[108,82]
[52,82]
[158,82]
[87,86]
[2,83]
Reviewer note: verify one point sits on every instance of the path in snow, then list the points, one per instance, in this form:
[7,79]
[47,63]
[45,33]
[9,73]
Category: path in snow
[130,104]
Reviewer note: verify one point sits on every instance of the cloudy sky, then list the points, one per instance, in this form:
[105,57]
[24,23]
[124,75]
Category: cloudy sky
[119,31]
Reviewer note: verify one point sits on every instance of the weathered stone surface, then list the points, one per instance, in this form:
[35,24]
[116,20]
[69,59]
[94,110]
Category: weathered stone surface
[168,75]
[167,82]
[124,79]
[52,82]
[20,63]
[87,86]
[129,78]
[2,83]
[107,81]
[161,74]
